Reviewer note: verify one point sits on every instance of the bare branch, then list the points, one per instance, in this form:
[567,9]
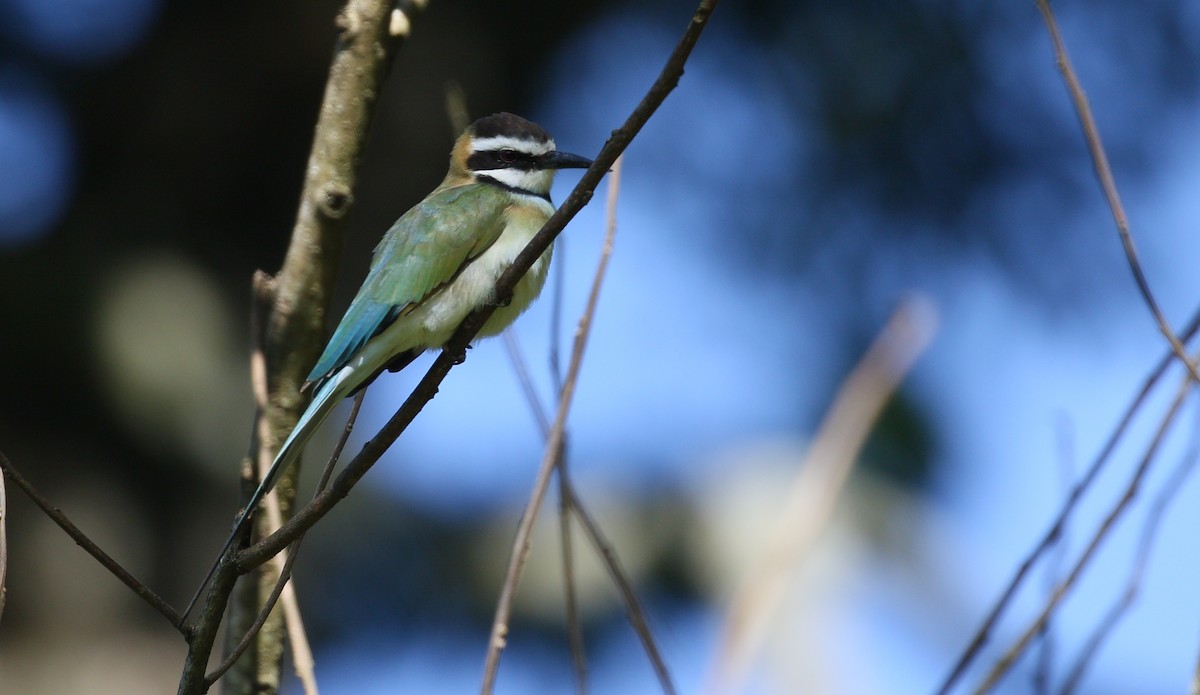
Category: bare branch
[367,41]
[81,539]
[1005,663]
[235,653]
[455,350]
[1154,517]
[818,486]
[301,654]
[634,611]
[574,622]
[983,634]
[1104,172]
[523,542]
[3,544]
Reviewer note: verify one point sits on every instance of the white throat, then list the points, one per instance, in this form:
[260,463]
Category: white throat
[536,181]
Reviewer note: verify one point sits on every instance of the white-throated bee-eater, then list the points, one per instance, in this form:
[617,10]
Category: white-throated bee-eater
[437,264]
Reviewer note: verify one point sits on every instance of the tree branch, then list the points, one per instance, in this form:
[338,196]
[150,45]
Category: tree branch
[1005,663]
[1108,183]
[369,33]
[523,542]
[81,539]
[455,350]
[983,634]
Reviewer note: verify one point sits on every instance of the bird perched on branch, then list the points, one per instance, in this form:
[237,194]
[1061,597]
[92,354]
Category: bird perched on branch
[437,264]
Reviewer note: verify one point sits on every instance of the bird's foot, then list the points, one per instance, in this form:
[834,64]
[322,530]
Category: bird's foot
[457,357]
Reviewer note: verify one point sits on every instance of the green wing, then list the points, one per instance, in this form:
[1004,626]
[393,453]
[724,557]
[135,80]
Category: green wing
[424,249]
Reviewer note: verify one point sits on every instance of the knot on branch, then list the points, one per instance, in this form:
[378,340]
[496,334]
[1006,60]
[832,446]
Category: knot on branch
[348,21]
[334,200]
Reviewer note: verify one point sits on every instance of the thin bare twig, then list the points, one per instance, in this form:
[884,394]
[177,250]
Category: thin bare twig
[523,543]
[983,634]
[282,581]
[454,351]
[574,623]
[818,486]
[3,545]
[1108,183]
[574,619]
[1044,670]
[81,539]
[368,37]
[1010,656]
[1154,517]
[301,653]
[556,314]
[635,612]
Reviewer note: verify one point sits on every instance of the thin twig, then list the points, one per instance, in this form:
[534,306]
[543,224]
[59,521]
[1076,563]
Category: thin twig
[367,40]
[302,654]
[574,619]
[1154,517]
[516,358]
[3,545]
[566,494]
[454,351]
[81,539]
[983,634]
[1044,671]
[574,623]
[1108,183]
[523,542]
[556,314]
[260,619]
[1010,656]
[818,486]
[635,612]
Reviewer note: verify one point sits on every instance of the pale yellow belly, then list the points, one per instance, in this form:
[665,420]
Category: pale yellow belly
[431,323]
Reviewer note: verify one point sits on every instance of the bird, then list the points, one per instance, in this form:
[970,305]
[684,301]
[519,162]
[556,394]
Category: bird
[433,267]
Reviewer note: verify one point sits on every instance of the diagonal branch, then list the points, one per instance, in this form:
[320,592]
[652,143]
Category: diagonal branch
[523,542]
[1145,545]
[1108,183]
[455,350]
[1052,535]
[301,658]
[81,539]
[3,544]
[1009,658]
[369,34]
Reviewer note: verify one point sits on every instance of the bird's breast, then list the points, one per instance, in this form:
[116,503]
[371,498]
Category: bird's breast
[440,314]
[522,222]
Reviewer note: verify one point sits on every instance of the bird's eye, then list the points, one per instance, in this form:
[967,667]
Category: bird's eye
[507,156]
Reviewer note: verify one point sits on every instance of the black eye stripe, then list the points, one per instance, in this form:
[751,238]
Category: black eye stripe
[501,159]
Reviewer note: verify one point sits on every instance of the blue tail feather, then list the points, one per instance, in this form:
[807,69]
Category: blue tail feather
[328,395]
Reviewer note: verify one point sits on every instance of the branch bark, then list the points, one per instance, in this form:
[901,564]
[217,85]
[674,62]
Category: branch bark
[298,298]
[455,349]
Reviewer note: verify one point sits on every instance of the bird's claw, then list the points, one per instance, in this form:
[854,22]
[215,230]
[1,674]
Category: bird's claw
[457,357]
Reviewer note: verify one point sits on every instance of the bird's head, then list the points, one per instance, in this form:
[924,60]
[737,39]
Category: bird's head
[511,152]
